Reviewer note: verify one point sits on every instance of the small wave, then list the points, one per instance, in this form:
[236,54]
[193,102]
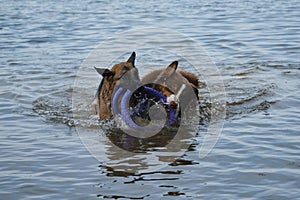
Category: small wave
[55,108]
[251,88]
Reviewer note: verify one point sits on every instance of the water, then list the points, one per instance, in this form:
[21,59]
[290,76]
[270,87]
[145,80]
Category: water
[255,46]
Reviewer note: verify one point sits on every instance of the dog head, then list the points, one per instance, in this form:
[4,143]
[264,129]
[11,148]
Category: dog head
[173,79]
[124,74]
[177,85]
[119,70]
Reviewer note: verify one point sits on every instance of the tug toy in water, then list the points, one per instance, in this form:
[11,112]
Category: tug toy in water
[147,95]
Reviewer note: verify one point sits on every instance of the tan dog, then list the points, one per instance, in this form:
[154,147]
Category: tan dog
[170,81]
[111,79]
[180,87]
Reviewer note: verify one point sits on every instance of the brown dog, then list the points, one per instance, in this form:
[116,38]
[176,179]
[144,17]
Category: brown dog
[180,87]
[169,80]
[111,79]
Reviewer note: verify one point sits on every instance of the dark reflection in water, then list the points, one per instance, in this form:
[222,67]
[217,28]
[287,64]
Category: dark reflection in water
[134,144]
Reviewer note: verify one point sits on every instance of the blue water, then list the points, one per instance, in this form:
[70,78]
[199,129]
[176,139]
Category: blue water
[254,44]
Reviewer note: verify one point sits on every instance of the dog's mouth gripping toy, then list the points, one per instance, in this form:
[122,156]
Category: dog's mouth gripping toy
[134,107]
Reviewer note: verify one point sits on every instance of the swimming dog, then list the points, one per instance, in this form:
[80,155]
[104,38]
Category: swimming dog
[171,81]
[111,79]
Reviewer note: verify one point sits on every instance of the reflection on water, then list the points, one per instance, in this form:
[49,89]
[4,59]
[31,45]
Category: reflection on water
[254,44]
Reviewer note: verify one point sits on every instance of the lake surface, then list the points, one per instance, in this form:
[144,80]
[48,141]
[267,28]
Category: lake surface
[254,44]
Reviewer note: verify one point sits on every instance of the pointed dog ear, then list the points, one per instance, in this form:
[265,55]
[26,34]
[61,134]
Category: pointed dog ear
[171,68]
[104,72]
[131,59]
[173,65]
